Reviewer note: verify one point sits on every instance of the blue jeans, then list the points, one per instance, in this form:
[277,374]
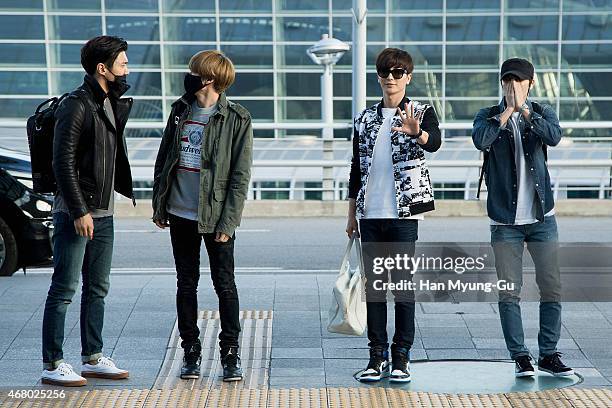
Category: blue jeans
[542,243]
[74,255]
[379,235]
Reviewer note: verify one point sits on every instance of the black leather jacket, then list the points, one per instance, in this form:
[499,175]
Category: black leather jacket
[83,149]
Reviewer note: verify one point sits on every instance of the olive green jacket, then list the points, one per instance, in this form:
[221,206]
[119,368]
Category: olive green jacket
[225,171]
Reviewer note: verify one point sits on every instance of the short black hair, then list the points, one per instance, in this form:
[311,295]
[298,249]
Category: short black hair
[394,57]
[103,49]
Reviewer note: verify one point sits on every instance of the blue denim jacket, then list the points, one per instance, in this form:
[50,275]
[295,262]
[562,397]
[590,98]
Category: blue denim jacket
[500,171]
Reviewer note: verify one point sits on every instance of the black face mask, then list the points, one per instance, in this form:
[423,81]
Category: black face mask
[119,86]
[192,84]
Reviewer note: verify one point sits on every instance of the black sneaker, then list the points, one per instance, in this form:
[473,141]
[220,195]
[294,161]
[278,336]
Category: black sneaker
[378,367]
[191,362]
[400,358]
[230,360]
[523,367]
[552,364]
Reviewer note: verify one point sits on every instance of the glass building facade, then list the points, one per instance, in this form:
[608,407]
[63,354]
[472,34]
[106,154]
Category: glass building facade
[457,47]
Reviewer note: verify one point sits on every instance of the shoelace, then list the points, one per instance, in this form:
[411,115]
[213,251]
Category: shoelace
[65,368]
[107,361]
[231,357]
[401,358]
[555,359]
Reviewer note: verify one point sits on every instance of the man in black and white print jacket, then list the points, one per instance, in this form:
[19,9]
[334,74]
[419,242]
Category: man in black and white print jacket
[389,190]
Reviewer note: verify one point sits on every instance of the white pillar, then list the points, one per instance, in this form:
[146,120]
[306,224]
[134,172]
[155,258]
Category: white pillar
[327,114]
[359,55]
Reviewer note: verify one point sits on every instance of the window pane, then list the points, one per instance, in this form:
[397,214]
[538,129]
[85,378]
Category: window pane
[472,28]
[62,82]
[474,56]
[577,110]
[343,83]
[199,6]
[133,28]
[586,55]
[22,27]
[546,85]
[74,27]
[292,84]
[259,56]
[529,5]
[260,110]
[301,28]
[536,28]
[343,110]
[144,55]
[22,5]
[246,28]
[472,5]
[23,83]
[17,108]
[300,110]
[71,5]
[189,28]
[472,84]
[300,5]
[252,84]
[343,28]
[373,5]
[293,55]
[587,5]
[22,54]
[65,55]
[132,5]
[149,110]
[586,84]
[423,56]
[245,6]
[594,27]
[178,56]
[542,56]
[416,5]
[416,28]
[144,83]
[466,110]
[425,85]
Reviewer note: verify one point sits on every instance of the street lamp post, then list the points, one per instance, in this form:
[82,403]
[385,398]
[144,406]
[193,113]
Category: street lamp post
[327,52]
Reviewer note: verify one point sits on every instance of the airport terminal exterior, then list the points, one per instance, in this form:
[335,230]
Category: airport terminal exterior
[457,47]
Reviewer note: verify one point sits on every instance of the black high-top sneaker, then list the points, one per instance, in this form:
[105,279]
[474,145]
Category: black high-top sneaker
[230,360]
[191,362]
[400,359]
[378,367]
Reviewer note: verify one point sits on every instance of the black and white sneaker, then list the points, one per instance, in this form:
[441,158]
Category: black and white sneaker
[378,367]
[552,364]
[400,359]
[523,367]
[232,369]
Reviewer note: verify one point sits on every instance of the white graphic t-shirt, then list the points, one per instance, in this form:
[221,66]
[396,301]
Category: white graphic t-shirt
[185,193]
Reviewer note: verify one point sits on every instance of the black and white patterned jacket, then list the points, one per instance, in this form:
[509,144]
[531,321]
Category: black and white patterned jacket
[414,192]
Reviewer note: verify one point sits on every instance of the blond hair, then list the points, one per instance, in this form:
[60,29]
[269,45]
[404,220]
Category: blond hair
[214,65]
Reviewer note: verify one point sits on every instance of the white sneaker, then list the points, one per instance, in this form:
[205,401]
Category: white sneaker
[63,375]
[105,368]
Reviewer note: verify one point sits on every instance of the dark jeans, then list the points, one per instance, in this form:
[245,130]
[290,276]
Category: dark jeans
[186,242]
[542,243]
[74,255]
[374,234]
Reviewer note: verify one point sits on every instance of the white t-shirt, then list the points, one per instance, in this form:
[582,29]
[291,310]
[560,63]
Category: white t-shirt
[525,208]
[380,199]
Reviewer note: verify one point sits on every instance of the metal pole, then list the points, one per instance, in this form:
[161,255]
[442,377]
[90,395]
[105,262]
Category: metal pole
[327,113]
[360,12]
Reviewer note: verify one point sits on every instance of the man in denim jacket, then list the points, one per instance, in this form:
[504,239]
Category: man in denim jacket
[513,136]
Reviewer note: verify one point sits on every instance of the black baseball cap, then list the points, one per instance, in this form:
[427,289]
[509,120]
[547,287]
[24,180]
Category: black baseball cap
[519,67]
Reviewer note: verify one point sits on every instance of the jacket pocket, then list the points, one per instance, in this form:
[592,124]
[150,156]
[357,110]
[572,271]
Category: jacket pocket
[88,188]
[220,193]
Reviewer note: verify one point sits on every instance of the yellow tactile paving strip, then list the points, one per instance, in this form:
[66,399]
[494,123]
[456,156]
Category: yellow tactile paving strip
[255,351]
[313,398]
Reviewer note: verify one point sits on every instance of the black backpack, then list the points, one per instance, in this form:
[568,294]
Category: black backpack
[537,108]
[40,128]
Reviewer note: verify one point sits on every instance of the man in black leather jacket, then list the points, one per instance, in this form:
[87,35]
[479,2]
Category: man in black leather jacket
[90,162]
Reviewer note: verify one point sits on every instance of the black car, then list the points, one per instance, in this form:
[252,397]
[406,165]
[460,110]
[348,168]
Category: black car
[26,223]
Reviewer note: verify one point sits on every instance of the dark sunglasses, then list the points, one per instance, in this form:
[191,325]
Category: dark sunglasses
[397,73]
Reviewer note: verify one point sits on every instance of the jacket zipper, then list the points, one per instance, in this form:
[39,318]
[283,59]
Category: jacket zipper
[178,143]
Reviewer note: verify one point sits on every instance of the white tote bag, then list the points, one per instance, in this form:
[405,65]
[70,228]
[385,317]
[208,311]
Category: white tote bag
[347,314]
